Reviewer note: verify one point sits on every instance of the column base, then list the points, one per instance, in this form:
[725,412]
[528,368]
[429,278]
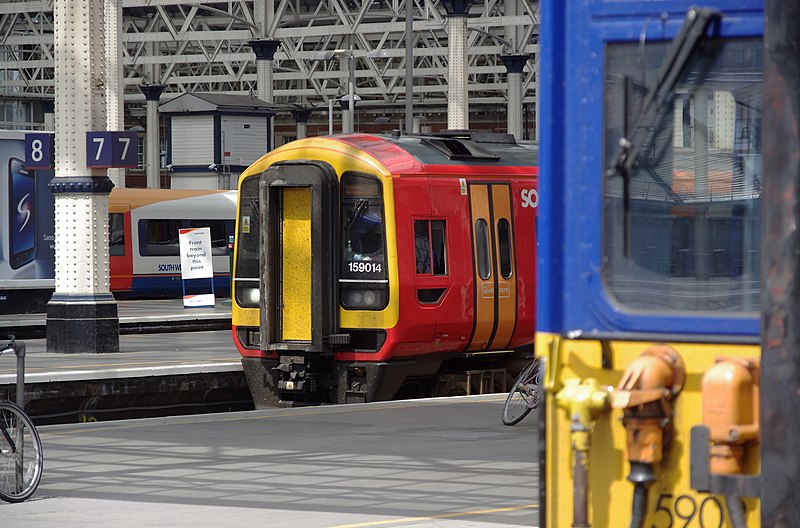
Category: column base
[82,324]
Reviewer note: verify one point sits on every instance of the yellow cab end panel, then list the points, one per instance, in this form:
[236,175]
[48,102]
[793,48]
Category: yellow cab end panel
[671,500]
[343,158]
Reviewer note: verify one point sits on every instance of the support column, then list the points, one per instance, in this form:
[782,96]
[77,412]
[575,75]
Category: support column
[82,314]
[348,116]
[409,39]
[152,92]
[115,105]
[457,89]
[515,65]
[301,115]
[49,111]
[265,50]
[347,63]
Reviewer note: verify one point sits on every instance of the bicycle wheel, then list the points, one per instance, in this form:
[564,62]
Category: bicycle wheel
[21,458]
[524,395]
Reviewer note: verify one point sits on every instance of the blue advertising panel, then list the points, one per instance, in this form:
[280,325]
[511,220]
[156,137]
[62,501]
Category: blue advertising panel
[27,227]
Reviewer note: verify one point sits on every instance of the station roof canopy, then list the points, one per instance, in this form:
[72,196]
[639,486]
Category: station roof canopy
[221,103]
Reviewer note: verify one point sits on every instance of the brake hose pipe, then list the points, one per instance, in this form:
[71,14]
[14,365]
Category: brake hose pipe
[736,511]
[641,475]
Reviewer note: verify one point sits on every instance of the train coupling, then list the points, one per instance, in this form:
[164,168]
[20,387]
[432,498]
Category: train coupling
[293,374]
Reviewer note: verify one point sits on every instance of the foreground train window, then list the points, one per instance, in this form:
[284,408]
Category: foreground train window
[694,194]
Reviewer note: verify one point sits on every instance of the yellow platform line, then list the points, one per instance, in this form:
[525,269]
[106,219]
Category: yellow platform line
[406,520]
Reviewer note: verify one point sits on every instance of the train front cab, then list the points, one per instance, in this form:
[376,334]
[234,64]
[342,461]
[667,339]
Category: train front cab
[287,288]
[648,317]
[334,225]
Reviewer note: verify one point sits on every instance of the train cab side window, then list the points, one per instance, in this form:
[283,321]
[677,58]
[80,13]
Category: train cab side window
[482,247]
[422,243]
[116,235]
[431,246]
[504,247]
[247,239]
[246,284]
[438,247]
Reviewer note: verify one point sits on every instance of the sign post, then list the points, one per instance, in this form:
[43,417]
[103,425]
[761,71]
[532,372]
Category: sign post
[196,263]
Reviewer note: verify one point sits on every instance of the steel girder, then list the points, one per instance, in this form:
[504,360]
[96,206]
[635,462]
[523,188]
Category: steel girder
[202,46]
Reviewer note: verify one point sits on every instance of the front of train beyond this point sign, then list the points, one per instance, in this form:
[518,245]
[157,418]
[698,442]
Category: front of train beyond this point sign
[649,251]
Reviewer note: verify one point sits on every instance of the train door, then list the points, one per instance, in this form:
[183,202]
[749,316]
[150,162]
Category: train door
[495,291]
[298,256]
[120,254]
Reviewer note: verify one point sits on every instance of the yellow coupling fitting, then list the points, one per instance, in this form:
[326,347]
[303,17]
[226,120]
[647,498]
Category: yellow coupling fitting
[584,401]
[645,394]
[730,411]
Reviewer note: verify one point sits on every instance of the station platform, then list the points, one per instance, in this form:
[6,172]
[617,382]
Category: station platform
[135,316]
[171,361]
[435,463]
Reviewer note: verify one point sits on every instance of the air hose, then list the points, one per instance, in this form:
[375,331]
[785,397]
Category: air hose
[736,511]
[639,508]
[641,475]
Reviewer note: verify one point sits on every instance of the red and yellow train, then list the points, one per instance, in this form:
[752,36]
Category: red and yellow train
[365,265]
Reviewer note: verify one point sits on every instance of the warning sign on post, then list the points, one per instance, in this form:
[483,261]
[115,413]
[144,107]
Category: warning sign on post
[196,263]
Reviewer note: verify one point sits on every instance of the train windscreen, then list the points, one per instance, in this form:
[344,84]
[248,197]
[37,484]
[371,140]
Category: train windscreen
[247,243]
[684,234]
[364,282]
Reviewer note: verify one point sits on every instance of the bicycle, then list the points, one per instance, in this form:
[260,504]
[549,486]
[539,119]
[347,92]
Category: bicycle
[525,394]
[21,455]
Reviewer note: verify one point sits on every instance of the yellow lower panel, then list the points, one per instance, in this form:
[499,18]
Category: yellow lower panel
[296,265]
[671,500]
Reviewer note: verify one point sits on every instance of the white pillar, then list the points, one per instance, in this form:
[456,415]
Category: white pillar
[457,92]
[265,93]
[153,140]
[152,92]
[115,105]
[515,65]
[82,314]
[301,116]
[347,114]
[265,50]
[49,109]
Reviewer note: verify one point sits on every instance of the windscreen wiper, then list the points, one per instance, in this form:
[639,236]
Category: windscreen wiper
[253,203]
[358,211]
[683,46]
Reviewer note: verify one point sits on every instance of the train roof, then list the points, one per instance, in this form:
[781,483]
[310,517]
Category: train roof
[452,153]
[135,198]
[455,147]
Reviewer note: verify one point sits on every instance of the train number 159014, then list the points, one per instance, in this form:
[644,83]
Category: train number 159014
[364,267]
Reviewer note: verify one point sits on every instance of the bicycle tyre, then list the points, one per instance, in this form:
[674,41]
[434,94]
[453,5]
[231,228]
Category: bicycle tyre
[21,455]
[521,401]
